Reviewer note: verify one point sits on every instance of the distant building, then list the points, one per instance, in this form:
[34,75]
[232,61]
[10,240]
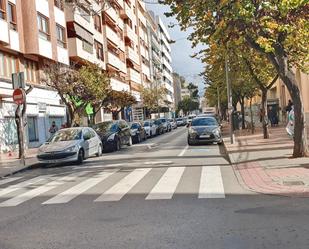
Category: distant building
[177,88]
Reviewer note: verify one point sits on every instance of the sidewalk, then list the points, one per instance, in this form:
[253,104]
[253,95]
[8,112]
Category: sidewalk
[266,166]
[10,164]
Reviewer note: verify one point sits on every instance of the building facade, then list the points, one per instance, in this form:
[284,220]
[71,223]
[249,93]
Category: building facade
[114,35]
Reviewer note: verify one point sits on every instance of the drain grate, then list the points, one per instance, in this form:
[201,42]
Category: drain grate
[293,183]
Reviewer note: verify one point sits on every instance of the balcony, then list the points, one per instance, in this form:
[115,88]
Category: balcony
[146,70]
[128,32]
[142,18]
[134,76]
[132,55]
[111,35]
[78,50]
[127,12]
[116,62]
[111,12]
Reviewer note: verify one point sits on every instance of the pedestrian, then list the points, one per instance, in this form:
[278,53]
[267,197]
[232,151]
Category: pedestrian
[53,128]
[288,108]
[291,122]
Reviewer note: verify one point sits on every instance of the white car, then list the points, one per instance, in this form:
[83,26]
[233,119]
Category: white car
[173,123]
[150,128]
[71,145]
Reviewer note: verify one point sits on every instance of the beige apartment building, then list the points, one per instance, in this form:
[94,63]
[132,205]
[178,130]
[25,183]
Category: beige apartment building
[35,33]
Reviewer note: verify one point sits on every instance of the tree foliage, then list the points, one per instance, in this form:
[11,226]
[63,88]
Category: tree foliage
[277,29]
[153,97]
[77,88]
[117,101]
[188,105]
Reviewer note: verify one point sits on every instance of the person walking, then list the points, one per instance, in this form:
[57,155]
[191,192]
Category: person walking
[291,122]
[53,128]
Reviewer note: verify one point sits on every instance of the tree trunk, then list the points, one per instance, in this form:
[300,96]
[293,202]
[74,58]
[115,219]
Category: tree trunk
[20,137]
[242,109]
[300,133]
[251,115]
[264,114]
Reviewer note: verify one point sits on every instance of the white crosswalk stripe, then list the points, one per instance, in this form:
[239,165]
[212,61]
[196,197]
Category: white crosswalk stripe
[23,185]
[80,188]
[211,185]
[40,190]
[167,185]
[116,192]
[8,180]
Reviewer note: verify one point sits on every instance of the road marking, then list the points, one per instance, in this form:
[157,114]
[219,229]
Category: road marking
[40,190]
[80,188]
[183,151]
[24,184]
[8,180]
[159,162]
[167,185]
[116,192]
[211,185]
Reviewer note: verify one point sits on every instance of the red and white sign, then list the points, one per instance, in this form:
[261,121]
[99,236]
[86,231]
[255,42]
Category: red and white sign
[19,96]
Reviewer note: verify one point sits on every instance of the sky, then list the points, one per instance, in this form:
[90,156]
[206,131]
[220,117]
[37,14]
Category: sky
[182,63]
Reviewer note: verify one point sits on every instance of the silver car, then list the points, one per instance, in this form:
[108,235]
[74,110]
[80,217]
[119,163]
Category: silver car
[204,130]
[71,145]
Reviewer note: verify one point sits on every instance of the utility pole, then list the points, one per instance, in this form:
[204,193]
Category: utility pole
[229,100]
[219,102]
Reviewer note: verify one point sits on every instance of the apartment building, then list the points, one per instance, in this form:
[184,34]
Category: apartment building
[33,34]
[166,61]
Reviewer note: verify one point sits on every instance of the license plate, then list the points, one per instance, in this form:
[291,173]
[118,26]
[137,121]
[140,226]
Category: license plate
[205,136]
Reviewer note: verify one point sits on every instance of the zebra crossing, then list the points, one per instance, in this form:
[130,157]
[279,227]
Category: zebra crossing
[61,189]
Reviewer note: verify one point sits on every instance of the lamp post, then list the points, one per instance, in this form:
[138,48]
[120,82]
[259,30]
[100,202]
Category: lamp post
[229,99]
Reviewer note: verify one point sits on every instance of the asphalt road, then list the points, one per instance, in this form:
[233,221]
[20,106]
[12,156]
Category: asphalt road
[158,194]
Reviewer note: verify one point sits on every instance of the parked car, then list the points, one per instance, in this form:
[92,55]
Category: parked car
[180,122]
[150,128]
[70,145]
[173,123]
[166,124]
[138,132]
[189,119]
[114,134]
[160,126]
[204,130]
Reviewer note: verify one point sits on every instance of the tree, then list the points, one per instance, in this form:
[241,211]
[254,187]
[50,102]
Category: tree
[97,84]
[193,90]
[117,101]
[77,88]
[278,30]
[153,97]
[188,105]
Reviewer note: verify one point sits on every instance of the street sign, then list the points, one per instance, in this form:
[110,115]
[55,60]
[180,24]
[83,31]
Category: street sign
[18,80]
[19,96]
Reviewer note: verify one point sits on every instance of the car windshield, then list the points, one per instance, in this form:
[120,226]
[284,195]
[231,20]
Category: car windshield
[66,135]
[146,124]
[163,120]
[204,122]
[106,127]
[179,119]
[134,126]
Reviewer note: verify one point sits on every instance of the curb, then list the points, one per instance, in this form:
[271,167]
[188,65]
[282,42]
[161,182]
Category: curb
[236,173]
[34,165]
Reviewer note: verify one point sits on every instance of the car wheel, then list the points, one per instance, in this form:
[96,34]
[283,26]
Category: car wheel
[189,142]
[81,156]
[130,141]
[100,150]
[220,142]
[117,145]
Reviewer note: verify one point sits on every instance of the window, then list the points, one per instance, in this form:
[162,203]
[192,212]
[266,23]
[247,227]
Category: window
[97,23]
[99,50]
[32,129]
[43,25]
[59,4]
[12,16]
[3,9]
[61,39]
[8,65]
[88,47]
[31,71]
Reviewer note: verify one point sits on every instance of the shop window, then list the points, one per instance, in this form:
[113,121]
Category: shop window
[32,129]
[10,131]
